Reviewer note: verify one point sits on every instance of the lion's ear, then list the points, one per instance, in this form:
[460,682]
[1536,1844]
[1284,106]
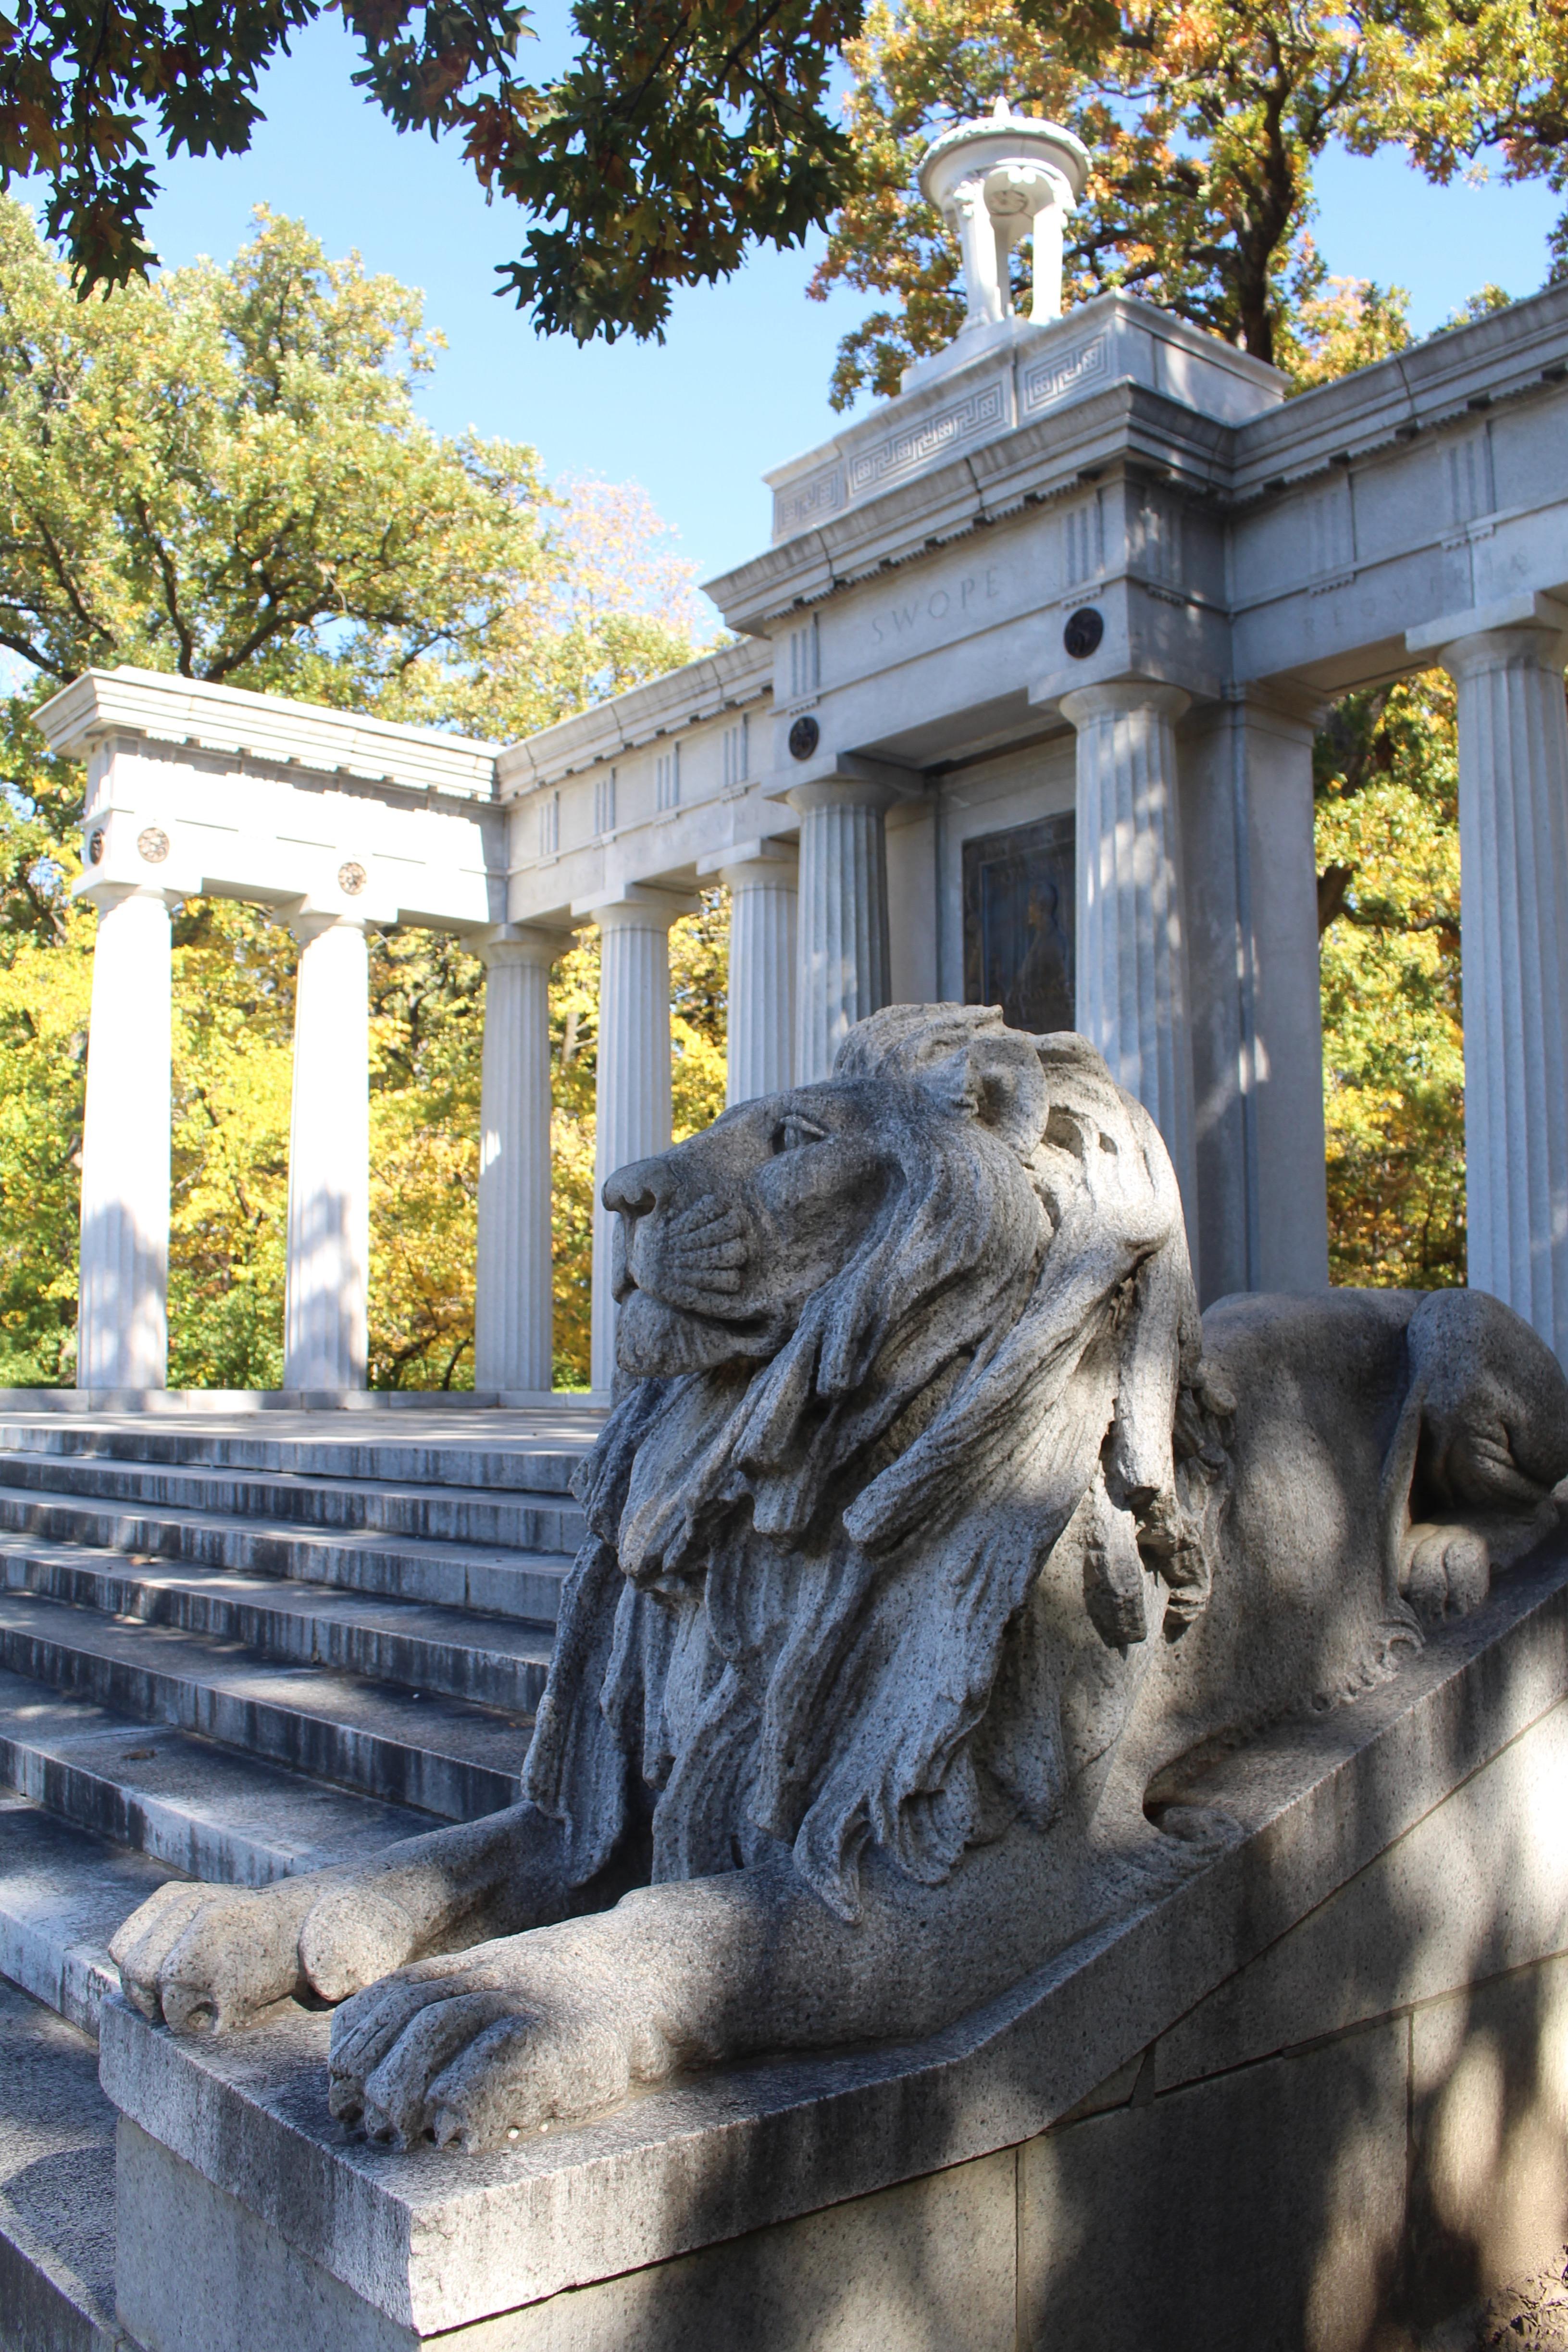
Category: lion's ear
[995,1078]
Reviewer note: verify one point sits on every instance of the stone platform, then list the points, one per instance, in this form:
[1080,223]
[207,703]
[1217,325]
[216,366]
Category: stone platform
[1352,2132]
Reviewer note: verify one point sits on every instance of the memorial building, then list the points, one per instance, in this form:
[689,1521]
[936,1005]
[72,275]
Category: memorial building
[1019,712]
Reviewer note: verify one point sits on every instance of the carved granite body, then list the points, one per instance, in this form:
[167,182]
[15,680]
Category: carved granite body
[935,1546]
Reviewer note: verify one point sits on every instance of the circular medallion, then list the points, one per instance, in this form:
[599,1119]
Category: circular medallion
[351,880]
[803,738]
[1083,632]
[95,847]
[153,845]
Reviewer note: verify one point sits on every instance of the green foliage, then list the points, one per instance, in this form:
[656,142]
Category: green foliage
[46,986]
[224,474]
[1388,853]
[680,132]
[233,1063]
[1202,125]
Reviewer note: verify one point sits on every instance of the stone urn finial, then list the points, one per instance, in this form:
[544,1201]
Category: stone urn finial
[997,179]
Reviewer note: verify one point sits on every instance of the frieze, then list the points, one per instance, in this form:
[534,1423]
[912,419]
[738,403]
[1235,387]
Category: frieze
[962,598]
[985,410]
[1055,379]
[806,502]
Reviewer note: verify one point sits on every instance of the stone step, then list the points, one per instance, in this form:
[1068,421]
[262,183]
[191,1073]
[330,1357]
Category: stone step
[430,1514]
[63,1893]
[482,1458]
[56,2188]
[443,1754]
[185,1803]
[497,1661]
[497,1583]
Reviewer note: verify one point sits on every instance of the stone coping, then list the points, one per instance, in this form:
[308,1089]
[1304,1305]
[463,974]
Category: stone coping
[437,2241]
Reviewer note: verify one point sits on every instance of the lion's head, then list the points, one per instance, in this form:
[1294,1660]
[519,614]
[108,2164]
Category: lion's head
[887,1337]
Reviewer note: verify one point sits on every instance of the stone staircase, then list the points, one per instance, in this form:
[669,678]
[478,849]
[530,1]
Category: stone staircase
[233,1647]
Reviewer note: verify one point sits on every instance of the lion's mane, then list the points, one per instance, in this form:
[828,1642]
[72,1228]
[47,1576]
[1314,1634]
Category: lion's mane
[806,1582]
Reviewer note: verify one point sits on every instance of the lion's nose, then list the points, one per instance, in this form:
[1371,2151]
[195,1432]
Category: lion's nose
[638,1188]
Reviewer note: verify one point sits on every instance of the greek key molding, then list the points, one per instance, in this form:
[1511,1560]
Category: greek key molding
[1067,373]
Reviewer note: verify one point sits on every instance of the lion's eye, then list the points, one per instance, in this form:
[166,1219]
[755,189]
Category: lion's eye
[792,1132]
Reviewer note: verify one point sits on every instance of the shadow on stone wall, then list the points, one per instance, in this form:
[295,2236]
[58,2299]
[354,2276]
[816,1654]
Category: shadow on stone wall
[1355,2144]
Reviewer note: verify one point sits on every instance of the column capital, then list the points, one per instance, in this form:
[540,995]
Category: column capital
[636,906]
[1281,700]
[765,865]
[525,944]
[1114,697]
[842,780]
[105,894]
[308,922]
[1531,628]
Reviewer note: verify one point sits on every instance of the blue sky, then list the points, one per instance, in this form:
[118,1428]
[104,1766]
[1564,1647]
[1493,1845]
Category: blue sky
[741,383]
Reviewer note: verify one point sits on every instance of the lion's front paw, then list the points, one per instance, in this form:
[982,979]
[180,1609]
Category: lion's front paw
[1447,1571]
[204,1960]
[474,2052]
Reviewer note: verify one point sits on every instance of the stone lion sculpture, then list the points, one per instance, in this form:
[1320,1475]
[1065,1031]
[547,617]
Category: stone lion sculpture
[934,1547]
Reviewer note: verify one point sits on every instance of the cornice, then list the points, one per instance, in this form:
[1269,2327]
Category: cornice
[229,719]
[725,680]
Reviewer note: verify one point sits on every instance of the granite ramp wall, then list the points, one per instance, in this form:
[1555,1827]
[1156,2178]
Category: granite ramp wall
[1355,2135]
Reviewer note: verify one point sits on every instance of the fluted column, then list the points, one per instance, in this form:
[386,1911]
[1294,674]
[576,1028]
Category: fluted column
[325,1335]
[1131,952]
[1513,865]
[122,1332]
[513,1318]
[763,897]
[632,1096]
[843,961]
